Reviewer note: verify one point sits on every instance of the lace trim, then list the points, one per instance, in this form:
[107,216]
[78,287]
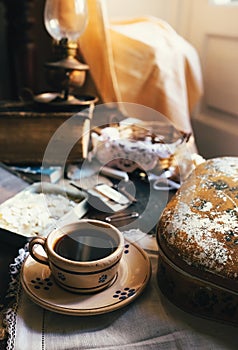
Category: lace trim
[14,295]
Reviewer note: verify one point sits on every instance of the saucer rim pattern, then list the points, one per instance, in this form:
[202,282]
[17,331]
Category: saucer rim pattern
[46,304]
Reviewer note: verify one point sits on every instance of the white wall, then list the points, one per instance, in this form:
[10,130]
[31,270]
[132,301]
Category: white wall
[124,8]
[165,9]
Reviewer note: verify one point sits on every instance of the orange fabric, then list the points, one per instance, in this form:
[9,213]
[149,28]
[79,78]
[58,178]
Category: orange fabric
[95,46]
[142,60]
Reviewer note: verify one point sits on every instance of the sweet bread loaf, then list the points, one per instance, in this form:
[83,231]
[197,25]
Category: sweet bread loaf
[198,229]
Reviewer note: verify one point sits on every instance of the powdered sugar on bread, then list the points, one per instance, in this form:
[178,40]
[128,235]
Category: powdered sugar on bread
[200,224]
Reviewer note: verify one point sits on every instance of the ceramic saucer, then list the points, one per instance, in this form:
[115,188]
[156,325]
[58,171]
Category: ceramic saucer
[133,274]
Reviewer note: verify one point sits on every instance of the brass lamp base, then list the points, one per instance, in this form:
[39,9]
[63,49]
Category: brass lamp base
[65,75]
[56,101]
[68,63]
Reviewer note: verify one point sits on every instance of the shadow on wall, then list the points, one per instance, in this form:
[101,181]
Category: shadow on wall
[217,139]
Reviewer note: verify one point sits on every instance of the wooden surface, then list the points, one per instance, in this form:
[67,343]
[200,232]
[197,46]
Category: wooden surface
[25,135]
[21,45]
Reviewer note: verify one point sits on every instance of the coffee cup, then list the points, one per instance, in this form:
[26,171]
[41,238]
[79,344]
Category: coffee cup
[83,257]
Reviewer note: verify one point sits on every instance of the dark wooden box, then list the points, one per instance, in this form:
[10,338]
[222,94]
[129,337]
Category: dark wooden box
[25,135]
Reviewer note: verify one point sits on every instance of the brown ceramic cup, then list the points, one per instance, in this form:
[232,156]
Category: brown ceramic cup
[83,256]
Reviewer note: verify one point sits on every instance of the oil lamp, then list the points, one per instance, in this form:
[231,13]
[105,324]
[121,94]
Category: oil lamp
[65,21]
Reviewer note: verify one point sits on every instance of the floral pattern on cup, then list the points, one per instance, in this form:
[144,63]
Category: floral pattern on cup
[61,276]
[102,278]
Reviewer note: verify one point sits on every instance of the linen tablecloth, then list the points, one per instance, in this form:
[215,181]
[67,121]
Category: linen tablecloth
[150,322]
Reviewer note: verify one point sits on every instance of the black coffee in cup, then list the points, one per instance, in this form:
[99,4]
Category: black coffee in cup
[85,245]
